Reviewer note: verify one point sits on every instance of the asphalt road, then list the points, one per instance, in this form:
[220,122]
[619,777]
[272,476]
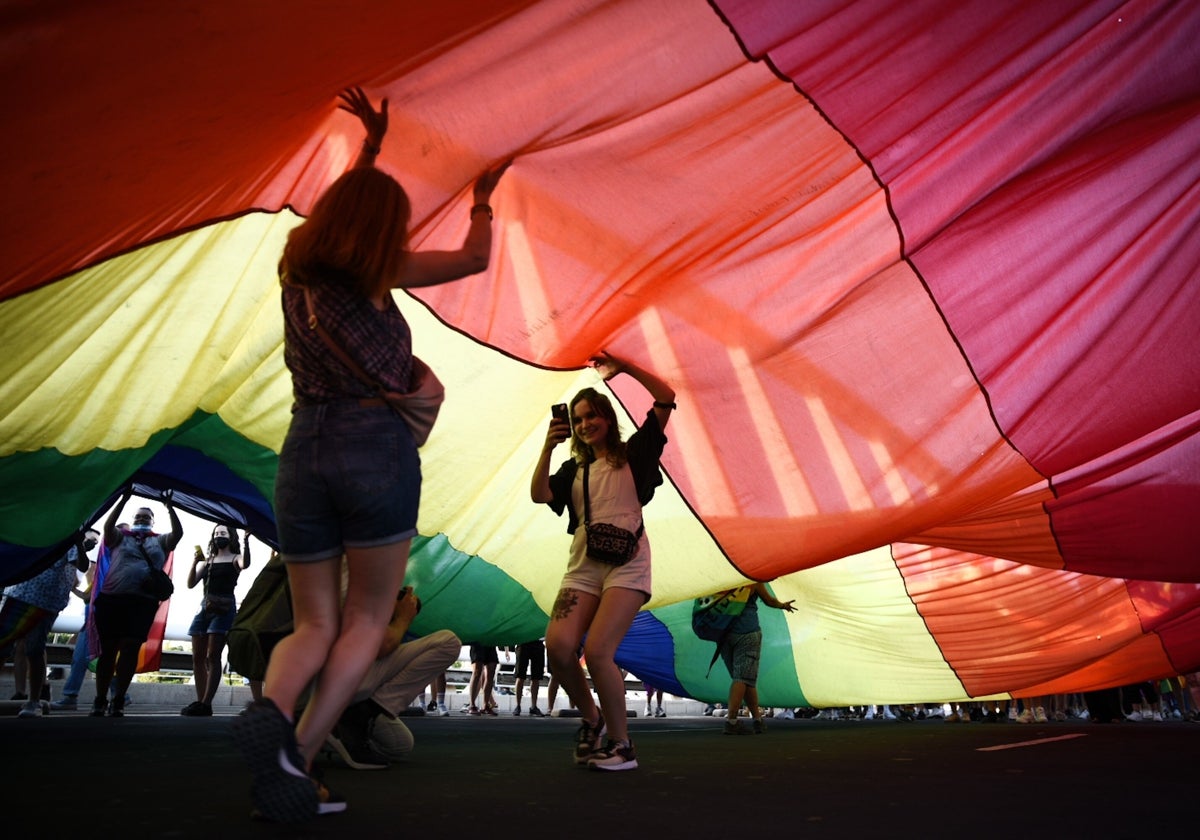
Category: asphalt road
[156,774]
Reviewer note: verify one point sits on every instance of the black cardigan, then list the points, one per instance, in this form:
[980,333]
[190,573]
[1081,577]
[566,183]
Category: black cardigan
[644,449]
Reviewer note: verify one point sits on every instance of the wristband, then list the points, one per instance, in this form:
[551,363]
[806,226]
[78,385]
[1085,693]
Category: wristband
[372,149]
[668,406]
[482,208]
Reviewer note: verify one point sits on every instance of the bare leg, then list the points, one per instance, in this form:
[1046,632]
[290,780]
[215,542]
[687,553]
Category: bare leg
[199,664]
[737,692]
[752,702]
[489,685]
[475,683]
[608,627]
[298,657]
[376,575]
[212,667]
[569,618]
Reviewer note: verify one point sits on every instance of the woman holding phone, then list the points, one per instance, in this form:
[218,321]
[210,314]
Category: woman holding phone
[599,599]
[218,569]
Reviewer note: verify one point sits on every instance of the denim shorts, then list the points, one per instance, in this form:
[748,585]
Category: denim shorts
[212,624]
[349,477]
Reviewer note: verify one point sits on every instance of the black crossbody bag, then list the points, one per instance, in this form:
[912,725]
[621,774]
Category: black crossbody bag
[607,543]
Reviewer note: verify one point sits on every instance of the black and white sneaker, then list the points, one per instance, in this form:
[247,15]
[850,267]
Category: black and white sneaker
[327,801]
[588,739]
[616,755]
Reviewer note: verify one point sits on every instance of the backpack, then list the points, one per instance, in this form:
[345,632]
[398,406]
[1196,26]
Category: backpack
[264,618]
[713,615]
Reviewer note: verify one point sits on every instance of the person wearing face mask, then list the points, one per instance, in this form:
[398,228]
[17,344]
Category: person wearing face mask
[30,608]
[218,569]
[123,611]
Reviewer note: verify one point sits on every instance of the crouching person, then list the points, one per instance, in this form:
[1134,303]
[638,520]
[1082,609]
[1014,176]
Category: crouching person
[369,735]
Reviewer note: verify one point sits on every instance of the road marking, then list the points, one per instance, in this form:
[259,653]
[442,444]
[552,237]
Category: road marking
[1031,743]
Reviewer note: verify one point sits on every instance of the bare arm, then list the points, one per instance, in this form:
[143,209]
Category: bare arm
[112,537]
[81,558]
[199,566]
[88,576]
[432,268]
[539,486]
[663,394]
[374,122]
[176,526]
[402,618]
[770,600]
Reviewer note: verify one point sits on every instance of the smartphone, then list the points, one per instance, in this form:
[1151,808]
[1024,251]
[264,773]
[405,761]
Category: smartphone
[559,412]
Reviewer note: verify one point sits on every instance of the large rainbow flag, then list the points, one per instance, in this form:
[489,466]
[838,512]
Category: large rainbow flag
[926,277]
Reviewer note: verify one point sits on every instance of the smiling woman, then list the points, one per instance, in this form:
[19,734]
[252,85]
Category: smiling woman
[603,590]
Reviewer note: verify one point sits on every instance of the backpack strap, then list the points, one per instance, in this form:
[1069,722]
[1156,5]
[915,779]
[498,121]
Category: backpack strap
[724,633]
[717,652]
[354,367]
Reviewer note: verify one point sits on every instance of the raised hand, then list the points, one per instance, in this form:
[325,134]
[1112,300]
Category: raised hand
[486,183]
[375,122]
[606,364]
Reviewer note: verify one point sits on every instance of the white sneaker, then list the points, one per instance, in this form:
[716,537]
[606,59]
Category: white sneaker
[786,714]
[1025,717]
[31,709]
[442,710]
[888,714]
[1039,715]
[1135,715]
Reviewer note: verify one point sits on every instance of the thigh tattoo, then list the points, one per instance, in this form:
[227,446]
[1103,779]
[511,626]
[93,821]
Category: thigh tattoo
[565,602]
